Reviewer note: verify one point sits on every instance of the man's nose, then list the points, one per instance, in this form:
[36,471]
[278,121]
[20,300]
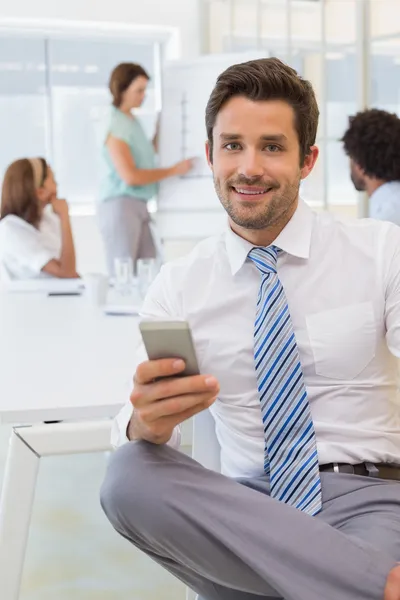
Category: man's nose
[251,164]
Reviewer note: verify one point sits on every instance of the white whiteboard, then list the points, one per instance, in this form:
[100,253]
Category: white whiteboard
[186,88]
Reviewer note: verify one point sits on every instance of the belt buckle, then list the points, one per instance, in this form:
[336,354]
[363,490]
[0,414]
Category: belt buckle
[373,471]
[343,468]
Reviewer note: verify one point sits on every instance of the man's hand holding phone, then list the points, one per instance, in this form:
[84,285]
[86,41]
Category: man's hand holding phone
[162,401]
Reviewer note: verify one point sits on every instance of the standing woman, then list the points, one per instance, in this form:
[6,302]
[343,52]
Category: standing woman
[129,177]
[35,230]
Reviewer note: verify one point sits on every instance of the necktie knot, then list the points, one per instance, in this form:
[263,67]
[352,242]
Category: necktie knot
[265,259]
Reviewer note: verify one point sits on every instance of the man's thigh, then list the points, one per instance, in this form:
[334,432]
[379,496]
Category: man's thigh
[364,508]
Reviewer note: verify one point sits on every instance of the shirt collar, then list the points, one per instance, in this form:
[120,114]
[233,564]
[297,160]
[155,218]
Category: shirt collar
[295,239]
[384,189]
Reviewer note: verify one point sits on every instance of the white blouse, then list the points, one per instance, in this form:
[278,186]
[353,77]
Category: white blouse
[25,249]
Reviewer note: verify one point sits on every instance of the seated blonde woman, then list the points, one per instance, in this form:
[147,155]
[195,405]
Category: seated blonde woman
[35,230]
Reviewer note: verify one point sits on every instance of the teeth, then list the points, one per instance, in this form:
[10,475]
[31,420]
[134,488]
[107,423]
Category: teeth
[250,192]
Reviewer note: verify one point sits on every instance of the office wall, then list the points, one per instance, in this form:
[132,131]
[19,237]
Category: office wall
[182,14]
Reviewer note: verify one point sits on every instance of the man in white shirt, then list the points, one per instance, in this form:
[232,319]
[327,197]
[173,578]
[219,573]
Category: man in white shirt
[295,318]
[372,142]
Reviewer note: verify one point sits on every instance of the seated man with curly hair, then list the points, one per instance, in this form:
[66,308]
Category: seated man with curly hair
[372,142]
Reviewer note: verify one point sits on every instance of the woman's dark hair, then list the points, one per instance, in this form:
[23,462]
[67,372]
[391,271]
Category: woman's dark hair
[18,196]
[267,79]
[373,142]
[122,77]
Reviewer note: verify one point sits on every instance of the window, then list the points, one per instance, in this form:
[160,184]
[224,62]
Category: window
[23,100]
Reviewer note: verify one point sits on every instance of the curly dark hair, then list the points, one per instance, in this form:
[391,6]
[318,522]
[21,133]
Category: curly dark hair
[373,142]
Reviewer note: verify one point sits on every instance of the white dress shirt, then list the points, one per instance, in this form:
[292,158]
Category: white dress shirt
[342,282]
[25,249]
[384,203]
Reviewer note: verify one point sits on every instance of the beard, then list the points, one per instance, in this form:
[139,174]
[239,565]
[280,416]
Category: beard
[250,216]
[357,179]
[358,182]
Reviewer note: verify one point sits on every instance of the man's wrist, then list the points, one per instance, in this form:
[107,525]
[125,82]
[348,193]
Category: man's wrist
[132,430]
[134,434]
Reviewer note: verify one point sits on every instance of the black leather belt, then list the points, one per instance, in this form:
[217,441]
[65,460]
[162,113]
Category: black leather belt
[382,471]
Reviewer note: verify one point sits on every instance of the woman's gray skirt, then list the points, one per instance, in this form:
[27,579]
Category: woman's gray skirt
[124,224]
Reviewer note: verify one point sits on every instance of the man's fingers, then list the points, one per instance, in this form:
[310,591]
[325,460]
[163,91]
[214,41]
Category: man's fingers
[173,387]
[174,420]
[153,369]
[181,386]
[162,400]
[174,406]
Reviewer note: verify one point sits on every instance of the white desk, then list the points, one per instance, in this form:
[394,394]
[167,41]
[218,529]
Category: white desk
[60,359]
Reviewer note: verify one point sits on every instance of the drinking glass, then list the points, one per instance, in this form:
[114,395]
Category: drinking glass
[146,271]
[123,274]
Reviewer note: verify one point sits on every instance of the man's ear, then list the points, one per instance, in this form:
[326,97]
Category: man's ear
[309,161]
[209,154]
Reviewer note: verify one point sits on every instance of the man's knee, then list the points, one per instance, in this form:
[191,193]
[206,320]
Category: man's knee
[129,490]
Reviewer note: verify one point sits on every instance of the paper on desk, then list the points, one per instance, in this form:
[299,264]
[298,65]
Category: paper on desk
[46,285]
[121,309]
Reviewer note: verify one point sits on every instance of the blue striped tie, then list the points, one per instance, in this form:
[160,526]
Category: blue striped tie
[291,458]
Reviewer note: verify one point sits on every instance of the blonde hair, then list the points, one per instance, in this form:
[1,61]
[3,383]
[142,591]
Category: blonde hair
[38,167]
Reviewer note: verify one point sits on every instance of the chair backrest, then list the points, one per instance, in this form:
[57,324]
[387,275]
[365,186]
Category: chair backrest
[206,449]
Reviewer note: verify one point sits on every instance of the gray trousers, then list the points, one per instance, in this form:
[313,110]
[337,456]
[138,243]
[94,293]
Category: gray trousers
[124,224]
[230,541]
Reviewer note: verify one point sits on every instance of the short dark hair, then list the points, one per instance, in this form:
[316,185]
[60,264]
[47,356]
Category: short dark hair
[122,77]
[373,142]
[18,196]
[267,79]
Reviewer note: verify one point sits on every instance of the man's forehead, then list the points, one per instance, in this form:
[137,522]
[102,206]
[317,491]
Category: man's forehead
[242,115]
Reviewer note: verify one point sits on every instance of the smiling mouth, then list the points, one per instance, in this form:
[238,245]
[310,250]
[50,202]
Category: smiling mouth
[253,191]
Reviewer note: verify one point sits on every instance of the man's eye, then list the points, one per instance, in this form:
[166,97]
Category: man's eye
[232,146]
[272,148]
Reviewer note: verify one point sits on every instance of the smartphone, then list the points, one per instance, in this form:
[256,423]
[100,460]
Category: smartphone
[170,339]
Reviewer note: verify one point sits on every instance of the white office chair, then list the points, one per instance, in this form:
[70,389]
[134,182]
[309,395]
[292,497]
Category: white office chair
[206,450]
[205,446]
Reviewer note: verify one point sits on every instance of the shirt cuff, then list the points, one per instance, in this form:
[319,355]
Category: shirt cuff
[120,425]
